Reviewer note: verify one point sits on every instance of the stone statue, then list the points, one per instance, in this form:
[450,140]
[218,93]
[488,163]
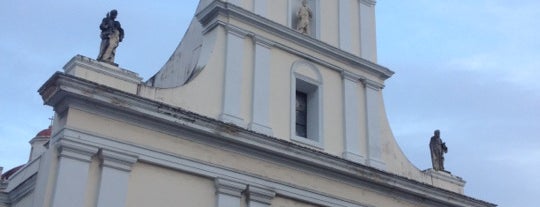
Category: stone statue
[111,35]
[304,19]
[438,148]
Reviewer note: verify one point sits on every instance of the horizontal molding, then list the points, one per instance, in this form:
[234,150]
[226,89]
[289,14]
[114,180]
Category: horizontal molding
[4,199]
[117,160]
[75,150]
[229,187]
[446,177]
[372,84]
[108,102]
[354,157]
[261,195]
[23,189]
[23,174]
[227,181]
[352,76]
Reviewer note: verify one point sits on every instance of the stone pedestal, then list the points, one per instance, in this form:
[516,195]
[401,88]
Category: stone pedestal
[103,73]
[446,180]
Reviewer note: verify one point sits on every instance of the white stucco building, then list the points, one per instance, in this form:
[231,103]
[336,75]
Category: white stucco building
[247,112]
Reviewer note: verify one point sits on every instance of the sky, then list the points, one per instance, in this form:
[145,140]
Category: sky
[468,68]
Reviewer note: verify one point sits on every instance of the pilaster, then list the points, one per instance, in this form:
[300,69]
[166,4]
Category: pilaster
[232,84]
[228,192]
[368,46]
[373,119]
[260,121]
[72,174]
[351,113]
[115,170]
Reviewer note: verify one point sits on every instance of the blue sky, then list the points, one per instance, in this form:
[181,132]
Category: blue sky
[468,68]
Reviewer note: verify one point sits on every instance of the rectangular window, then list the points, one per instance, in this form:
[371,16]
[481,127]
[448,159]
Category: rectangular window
[306,112]
[301,114]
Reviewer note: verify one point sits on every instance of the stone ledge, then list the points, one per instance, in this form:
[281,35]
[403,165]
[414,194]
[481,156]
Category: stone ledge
[102,67]
[445,176]
[103,73]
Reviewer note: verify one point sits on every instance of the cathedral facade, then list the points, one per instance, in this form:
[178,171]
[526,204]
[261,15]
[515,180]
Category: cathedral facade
[263,103]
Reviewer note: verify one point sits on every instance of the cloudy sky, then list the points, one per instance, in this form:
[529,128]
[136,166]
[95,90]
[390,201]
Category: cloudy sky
[468,68]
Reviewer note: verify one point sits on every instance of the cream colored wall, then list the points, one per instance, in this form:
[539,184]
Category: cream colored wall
[354,24]
[248,4]
[329,22]
[287,202]
[150,185]
[332,111]
[280,88]
[203,94]
[178,145]
[280,85]
[104,79]
[277,11]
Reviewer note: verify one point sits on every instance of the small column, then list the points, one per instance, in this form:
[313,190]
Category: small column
[232,84]
[73,166]
[351,111]
[368,46]
[373,113]
[261,88]
[259,197]
[228,193]
[115,170]
[345,25]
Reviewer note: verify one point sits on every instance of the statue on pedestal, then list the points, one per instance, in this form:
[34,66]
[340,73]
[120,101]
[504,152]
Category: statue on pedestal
[304,19]
[111,35]
[437,148]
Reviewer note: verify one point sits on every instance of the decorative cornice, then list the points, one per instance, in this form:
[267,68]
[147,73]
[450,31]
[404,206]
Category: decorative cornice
[231,29]
[171,119]
[117,160]
[261,195]
[352,76]
[259,40]
[372,84]
[229,187]
[216,11]
[75,150]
